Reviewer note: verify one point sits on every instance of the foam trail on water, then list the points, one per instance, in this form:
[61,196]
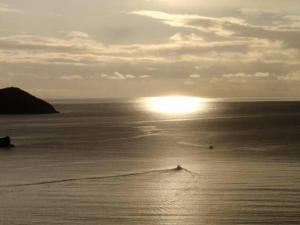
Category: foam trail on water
[91,178]
[129,138]
[192,145]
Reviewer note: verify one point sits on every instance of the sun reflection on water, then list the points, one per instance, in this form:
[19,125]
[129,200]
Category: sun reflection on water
[175,104]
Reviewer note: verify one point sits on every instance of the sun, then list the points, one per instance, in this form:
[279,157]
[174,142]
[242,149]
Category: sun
[174,104]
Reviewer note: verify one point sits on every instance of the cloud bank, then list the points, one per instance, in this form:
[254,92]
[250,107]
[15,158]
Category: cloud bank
[237,55]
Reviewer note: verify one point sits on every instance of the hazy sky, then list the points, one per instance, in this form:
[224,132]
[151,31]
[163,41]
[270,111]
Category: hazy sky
[126,48]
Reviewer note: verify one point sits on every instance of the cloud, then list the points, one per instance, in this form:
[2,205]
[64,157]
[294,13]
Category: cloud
[186,51]
[183,53]
[120,76]
[195,76]
[144,76]
[79,49]
[284,29]
[161,49]
[244,77]
[236,75]
[262,75]
[231,78]
[73,51]
[255,75]
[78,34]
[280,20]
[201,23]
[190,37]
[72,77]
[257,12]
[7,9]
[293,76]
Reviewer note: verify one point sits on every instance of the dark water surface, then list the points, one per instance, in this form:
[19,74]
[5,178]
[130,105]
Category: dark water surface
[111,163]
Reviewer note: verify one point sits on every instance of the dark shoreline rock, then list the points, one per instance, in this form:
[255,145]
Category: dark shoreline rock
[16,101]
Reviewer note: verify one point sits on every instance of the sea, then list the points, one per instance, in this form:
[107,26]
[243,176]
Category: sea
[114,162]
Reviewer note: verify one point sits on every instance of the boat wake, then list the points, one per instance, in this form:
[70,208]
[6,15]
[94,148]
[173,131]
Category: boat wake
[177,169]
[193,145]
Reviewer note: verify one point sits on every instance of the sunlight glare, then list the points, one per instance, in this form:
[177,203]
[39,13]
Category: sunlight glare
[175,104]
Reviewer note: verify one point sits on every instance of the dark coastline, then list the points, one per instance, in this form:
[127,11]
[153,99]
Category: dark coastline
[14,101]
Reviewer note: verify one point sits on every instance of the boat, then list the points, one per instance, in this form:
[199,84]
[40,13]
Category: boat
[5,142]
[178,168]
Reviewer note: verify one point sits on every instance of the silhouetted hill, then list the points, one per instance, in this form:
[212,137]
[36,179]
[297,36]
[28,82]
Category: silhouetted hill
[16,101]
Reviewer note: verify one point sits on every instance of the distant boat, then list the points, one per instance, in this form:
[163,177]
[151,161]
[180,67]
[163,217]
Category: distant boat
[5,142]
[178,168]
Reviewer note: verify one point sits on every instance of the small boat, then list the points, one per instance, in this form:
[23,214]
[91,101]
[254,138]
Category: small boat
[178,168]
[5,142]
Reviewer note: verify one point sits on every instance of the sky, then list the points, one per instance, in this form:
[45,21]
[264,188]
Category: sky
[135,48]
